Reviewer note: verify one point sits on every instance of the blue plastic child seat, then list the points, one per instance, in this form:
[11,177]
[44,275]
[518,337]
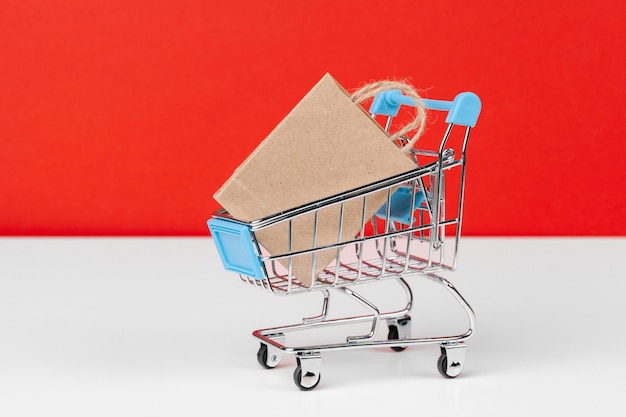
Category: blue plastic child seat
[400,210]
[235,245]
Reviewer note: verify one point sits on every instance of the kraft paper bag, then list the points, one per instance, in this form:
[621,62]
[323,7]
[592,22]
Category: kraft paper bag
[326,145]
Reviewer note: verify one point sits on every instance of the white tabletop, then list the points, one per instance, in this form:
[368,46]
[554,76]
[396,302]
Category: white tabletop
[156,327]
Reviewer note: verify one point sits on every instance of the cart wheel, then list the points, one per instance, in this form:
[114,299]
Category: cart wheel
[394,333]
[442,366]
[308,381]
[265,359]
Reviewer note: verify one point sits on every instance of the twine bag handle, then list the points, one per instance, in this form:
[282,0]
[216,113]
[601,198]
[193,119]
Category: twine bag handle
[417,125]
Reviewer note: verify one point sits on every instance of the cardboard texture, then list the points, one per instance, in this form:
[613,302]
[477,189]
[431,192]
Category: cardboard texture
[326,145]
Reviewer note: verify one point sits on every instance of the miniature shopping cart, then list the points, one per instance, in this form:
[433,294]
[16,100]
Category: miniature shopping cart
[414,234]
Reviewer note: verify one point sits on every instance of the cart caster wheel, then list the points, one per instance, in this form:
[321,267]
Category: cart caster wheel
[399,330]
[455,355]
[306,382]
[393,335]
[266,359]
[307,374]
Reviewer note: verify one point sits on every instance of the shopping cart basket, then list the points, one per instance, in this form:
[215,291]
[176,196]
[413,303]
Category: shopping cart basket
[414,234]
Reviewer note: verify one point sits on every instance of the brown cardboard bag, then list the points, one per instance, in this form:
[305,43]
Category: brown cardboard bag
[326,145]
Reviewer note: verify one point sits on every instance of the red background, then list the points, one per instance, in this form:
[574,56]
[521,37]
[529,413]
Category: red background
[123,117]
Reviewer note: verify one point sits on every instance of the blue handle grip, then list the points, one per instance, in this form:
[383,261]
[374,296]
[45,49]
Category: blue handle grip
[465,110]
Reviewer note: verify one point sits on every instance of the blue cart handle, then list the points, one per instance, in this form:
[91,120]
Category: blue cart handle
[463,110]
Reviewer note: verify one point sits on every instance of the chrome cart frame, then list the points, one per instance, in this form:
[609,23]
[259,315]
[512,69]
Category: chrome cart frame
[414,234]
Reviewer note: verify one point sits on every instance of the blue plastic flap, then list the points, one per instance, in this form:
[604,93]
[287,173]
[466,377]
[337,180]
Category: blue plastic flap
[236,247]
